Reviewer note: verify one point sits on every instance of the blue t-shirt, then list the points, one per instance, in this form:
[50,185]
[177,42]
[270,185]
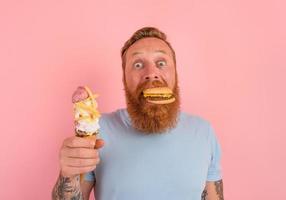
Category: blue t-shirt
[168,166]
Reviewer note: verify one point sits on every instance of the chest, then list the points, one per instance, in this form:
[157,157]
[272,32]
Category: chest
[169,165]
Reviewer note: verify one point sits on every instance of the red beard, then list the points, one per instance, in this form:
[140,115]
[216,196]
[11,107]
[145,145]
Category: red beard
[151,118]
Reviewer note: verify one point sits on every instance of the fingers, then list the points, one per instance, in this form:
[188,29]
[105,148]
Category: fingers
[79,153]
[74,161]
[99,143]
[78,142]
[79,162]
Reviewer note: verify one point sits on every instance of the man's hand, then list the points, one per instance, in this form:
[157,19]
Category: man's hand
[79,155]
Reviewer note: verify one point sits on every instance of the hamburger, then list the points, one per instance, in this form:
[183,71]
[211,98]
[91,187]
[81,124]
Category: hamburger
[159,95]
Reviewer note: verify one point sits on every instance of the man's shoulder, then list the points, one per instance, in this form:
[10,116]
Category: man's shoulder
[110,121]
[108,114]
[117,115]
[113,113]
[199,124]
[194,118]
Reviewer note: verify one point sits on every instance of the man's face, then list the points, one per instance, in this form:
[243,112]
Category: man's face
[149,63]
[149,59]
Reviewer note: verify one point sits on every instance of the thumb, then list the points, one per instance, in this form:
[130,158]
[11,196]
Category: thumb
[99,143]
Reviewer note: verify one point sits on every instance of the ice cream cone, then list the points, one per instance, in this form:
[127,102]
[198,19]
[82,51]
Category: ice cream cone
[86,115]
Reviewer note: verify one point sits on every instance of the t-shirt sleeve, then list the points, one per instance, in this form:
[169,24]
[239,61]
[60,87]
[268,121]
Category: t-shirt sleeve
[89,176]
[214,170]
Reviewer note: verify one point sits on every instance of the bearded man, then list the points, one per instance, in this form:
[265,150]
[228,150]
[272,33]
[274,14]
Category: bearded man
[151,150]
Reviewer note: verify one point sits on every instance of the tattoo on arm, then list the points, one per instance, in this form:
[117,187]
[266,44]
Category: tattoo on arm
[67,188]
[213,191]
[219,189]
[204,195]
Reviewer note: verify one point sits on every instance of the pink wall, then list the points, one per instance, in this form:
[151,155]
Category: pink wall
[231,63]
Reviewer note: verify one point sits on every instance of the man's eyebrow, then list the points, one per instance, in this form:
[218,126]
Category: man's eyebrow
[156,51]
[135,53]
[161,51]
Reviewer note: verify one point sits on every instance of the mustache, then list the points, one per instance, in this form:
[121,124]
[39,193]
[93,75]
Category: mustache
[148,84]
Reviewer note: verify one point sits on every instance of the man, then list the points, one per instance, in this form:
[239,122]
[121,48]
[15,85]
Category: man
[150,151]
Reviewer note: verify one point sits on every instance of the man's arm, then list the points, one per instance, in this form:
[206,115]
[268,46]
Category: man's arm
[213,191]
[77,156]
[70,188]
[86,188]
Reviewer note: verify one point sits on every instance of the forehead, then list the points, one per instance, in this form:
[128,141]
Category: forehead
[147,45]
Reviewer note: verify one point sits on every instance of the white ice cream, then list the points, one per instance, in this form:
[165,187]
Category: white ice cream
[84,125]
[90,127]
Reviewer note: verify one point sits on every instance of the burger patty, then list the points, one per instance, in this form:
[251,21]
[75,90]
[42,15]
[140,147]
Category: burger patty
[157,98]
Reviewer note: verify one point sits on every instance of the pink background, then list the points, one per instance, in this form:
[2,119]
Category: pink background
[231,65]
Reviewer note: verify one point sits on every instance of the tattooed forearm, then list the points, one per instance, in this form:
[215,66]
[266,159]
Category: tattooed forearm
[67,189]
[213,191]
[219,189]
[204,195]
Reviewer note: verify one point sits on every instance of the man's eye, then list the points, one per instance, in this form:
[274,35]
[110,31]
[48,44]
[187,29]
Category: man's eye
[138,65]
[161,63]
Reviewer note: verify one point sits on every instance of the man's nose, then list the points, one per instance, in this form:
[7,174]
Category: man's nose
[151,77]
[151,74]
